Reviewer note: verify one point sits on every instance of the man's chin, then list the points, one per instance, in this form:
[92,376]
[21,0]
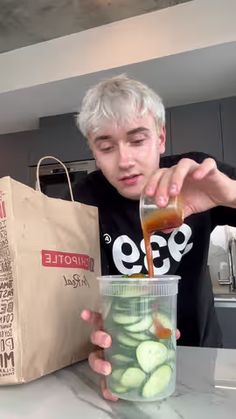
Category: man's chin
[129,194]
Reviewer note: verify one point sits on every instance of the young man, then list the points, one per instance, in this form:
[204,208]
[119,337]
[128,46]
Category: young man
[124,122]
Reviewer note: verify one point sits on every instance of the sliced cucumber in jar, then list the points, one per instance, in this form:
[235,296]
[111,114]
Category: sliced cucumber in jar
[157,382]
[132,378]
[140,326]
[126,340]
[121,359]
[125,319]
[139,305]
[150,354]
[126,350]
[140,336]
[117,373]
[171,355]
[118,388]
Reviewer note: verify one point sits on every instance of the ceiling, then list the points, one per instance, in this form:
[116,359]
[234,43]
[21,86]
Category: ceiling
[27,22]
[193,76]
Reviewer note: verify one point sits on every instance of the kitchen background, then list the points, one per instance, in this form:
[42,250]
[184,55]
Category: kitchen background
[52,51]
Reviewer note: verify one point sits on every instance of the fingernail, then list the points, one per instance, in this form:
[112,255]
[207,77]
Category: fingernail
[106,341]
[173,188]
[161,200]
[106,369]
[85,315]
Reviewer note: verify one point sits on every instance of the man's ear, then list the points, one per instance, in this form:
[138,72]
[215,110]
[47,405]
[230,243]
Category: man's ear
[162,140]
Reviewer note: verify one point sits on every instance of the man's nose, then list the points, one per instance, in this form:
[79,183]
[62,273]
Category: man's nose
[125,157]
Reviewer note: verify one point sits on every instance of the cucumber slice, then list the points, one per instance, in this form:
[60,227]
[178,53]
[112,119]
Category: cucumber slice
[127,340]
[172,365]
[122,318]
[121,359]
[120,307]
[133,378]
[141,301]
[171,355]
[140,326]
[157,382]
[133,308]
[150,354]
[126,350]
[117,374]
[139,336]
[117,388]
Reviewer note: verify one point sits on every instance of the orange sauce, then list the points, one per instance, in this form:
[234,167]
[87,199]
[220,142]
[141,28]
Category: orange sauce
[161,332]
[162,219]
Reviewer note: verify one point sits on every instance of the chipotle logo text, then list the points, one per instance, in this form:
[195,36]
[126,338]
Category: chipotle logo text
[52,258]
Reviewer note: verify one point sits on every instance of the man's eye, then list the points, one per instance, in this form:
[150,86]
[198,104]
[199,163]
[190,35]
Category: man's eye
[138,141]
[106,149]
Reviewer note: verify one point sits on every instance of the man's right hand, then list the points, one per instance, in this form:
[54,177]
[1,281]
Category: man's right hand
[96,358]
[103,340]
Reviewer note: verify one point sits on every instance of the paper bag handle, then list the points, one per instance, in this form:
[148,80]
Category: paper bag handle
[66,171]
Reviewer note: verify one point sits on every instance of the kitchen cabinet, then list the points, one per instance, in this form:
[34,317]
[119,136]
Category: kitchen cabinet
[58,136]
[228,119]
[14,156]
[196,127]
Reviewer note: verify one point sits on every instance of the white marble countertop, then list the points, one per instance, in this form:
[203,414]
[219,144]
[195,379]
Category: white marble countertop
[206,388]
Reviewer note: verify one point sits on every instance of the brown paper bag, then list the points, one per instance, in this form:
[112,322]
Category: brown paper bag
[49,260]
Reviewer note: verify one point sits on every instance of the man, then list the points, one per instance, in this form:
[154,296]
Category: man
[124,122]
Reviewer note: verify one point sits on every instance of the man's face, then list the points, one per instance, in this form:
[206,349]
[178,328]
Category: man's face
[129,154]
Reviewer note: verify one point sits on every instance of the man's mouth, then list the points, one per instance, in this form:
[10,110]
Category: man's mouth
[129,180]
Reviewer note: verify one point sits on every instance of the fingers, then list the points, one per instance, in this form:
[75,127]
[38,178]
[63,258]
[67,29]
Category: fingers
[162,192]
[178,334]
[205,168]
[188,167]
[98,364]
[101,339]
[96,359]
[154,183]
[166,183]
[106,392]
[184,168]
[98,337]
[92,317]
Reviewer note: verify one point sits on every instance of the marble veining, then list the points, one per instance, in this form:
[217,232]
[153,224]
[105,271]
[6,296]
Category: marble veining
[206,389]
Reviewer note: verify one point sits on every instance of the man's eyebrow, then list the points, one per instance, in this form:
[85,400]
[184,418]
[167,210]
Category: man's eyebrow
[132,131]
[137,130]
[102,137]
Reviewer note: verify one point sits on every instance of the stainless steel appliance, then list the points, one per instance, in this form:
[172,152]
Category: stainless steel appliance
[53,179]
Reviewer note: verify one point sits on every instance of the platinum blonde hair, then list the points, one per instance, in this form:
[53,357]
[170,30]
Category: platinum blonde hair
[118,99]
